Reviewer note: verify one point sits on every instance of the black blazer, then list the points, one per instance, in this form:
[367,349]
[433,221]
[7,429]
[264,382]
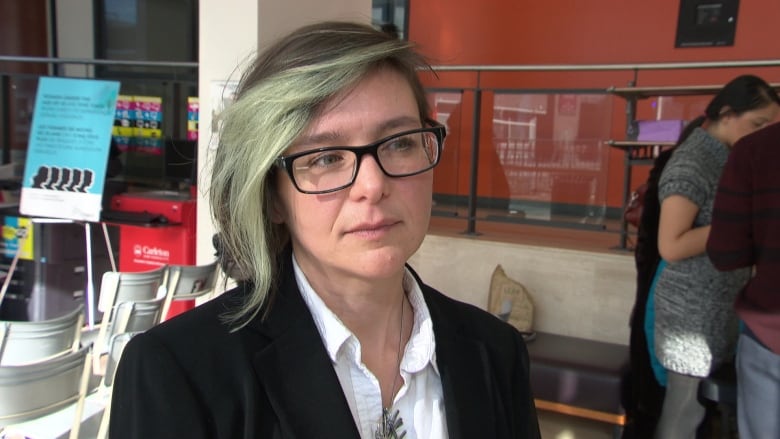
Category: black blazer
[191,377]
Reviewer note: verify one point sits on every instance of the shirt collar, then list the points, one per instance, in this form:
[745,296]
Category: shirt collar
[332,331]
[421,348]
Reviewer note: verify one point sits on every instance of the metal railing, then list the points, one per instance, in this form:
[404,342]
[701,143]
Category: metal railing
[174,75]
[173,81]
[634,69]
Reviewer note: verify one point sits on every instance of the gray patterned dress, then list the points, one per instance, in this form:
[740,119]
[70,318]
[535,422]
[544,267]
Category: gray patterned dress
[695,323]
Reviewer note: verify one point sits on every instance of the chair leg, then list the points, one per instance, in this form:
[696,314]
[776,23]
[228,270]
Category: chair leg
[103,430]
[84,384]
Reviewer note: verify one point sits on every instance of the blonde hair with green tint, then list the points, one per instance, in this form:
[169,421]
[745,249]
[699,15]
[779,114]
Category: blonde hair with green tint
[277,98]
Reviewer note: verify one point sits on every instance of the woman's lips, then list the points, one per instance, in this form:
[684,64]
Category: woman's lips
[369,229]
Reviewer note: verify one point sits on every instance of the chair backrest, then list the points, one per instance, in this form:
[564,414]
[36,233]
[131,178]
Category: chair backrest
[191,281]
[115,347]
[28,342]
[136,316]
[121,286]
[187,282]
[128,317]
[33,390]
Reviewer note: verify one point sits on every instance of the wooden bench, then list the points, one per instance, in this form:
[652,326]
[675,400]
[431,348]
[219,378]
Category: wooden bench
[578,377]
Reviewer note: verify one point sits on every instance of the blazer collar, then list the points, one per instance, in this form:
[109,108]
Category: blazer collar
[305,392]
[466,377]
[295,369]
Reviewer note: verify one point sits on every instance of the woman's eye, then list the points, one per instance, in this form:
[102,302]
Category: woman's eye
[402,143]
[325,160]
[760,122]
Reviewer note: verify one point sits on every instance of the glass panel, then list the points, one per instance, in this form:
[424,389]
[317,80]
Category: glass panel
[684,108]
[450,181]
[553,159]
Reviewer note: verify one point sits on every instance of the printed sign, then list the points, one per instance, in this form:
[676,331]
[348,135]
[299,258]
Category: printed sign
[17,232]
[68,148]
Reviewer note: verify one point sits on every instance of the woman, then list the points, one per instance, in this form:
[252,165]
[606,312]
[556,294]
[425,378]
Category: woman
[695,325]
[330,333]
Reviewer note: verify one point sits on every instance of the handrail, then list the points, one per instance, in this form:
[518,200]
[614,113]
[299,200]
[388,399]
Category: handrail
[477,88]
[169,73]
[584,67]
[483,68]
[50,60]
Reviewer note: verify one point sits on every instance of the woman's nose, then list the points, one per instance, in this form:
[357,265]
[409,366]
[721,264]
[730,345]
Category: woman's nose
[370,181]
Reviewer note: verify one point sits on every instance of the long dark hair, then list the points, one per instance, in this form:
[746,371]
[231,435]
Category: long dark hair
[743,93]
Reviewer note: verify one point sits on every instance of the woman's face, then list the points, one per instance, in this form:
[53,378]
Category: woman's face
[738,126]
[367,231]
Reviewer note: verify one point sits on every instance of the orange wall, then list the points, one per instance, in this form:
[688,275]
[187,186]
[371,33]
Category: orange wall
[23,33]
[504,32]
[571,31]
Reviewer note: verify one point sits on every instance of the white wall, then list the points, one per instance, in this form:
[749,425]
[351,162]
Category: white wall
[75,35]
[228,36]
[578,293]
[279,17]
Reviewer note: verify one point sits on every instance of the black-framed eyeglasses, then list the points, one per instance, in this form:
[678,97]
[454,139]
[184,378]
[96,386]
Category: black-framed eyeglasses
[332,168]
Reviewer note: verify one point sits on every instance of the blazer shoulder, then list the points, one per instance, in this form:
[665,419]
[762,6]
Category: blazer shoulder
[467,319]
[203,322]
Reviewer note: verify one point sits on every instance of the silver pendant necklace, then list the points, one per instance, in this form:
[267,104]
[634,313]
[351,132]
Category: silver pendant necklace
[390,426]
[391,423]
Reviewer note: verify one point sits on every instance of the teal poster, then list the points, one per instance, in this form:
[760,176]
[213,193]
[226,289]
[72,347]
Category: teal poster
[67,154]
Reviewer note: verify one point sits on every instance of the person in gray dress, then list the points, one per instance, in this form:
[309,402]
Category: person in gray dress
[695,323]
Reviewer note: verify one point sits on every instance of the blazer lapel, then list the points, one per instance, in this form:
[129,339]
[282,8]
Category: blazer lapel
[297,373]
[305,393]
[463,365]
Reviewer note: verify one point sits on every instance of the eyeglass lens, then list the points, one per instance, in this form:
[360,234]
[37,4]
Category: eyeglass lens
[399,156]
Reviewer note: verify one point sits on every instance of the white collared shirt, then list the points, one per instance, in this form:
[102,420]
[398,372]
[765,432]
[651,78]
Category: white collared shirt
[419,401]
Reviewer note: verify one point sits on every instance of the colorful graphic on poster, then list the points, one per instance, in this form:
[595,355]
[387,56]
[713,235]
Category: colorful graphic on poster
[148,116]
[67,153]
[193,113]
[138,124]
[123,122]
[17,231]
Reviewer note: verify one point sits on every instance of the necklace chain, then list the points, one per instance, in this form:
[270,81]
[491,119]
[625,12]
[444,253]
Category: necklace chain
[398,351]
[391,422]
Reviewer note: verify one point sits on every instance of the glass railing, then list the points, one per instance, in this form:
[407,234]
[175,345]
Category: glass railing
[535,144]
[525,144]
[543,159]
